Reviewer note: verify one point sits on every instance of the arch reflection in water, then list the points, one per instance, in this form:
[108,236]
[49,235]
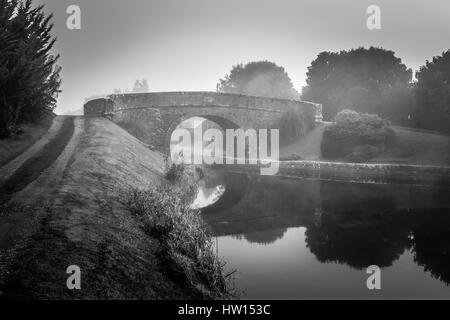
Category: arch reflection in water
[311,229]
[207,196]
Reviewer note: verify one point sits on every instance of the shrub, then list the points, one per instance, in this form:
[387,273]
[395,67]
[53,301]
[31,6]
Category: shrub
[186,248]
[355,136]
[294,124]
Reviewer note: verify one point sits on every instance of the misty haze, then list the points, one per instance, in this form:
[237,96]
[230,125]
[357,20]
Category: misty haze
[224,150]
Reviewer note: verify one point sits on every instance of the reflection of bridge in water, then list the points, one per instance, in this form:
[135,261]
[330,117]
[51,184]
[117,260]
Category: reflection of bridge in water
[253,202]
[354,224]
[258,203]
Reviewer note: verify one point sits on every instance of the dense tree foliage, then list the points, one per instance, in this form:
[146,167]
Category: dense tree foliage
[370,80]
[432,93]
[29,76]
[266,79]
[260,78]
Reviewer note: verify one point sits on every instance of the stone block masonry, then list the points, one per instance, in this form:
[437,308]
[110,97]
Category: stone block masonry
[155,115]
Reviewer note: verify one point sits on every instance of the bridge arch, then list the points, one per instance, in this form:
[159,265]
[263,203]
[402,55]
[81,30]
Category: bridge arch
[221,121]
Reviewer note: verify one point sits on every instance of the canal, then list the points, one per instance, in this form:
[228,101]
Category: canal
[294,238]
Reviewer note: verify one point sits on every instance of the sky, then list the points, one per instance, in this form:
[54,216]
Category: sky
[188,45]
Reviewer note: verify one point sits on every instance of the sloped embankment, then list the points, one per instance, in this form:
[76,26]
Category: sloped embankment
[75,216]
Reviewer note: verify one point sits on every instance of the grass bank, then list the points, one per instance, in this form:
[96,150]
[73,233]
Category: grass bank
[186,249]
[84,221]
[404,146]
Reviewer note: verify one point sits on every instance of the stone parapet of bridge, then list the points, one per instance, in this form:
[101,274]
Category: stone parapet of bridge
[153,116]
[116,102]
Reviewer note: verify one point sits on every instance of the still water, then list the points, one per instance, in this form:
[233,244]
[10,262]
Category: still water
[291,238]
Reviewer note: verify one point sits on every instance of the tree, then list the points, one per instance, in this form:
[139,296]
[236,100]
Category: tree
[370,80]
[432,93]
[29,76]
[138,87]
[261,78]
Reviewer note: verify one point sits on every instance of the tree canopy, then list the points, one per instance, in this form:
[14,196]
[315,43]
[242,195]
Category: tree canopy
[29,76]
[432,93]
[370,80]
[138,87]
[259,78]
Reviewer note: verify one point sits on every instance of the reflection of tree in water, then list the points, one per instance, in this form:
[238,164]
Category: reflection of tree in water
[353,224]
[263,236]
[358,227]
[359,245]
[431,242]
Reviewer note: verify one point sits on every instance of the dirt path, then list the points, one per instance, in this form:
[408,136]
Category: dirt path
[33,167]
[12,147]
[7,169]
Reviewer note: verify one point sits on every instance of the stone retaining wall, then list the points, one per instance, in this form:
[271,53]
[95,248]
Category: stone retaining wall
[356,172]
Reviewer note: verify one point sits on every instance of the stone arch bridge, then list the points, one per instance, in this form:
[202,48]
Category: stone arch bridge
[152,117]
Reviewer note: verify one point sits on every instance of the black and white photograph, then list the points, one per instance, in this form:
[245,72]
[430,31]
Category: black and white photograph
[242,151]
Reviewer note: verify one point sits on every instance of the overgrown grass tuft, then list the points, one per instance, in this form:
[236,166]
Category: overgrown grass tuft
[186,248]
[176,172]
